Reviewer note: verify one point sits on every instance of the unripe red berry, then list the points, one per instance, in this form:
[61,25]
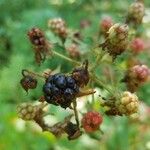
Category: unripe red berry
[37,37]
[141,72]
[137,45]
[136,76]
[91,121]
[105,25]
[58,26]
[73,51]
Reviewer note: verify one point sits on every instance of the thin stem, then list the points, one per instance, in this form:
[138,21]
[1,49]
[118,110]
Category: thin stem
[98,60]
[76,112]
[93,101]
[66,58]
[98,81]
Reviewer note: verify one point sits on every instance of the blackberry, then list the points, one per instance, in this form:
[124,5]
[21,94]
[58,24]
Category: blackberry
[60,89]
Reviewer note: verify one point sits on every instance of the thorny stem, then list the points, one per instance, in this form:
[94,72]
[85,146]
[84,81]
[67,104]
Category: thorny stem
[76,112]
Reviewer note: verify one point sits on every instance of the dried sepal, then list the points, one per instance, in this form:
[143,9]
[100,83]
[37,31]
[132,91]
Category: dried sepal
[28,81]
[81,74]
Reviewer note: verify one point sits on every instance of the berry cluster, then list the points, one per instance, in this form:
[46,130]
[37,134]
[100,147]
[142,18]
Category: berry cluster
[135,13]
[128,104]
[36,37]
[27,111]
[58,26]
[91,121]
[136,76]
[117,40]
[60,89]
[73,51]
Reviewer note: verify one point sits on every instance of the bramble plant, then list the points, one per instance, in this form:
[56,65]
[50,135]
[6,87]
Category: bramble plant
[64,89]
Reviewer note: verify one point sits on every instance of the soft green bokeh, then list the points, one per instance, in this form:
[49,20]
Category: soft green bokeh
[16,17]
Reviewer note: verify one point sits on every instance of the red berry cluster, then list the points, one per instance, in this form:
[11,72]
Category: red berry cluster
[136,76]
[91,121]
[58,26]
[73,51]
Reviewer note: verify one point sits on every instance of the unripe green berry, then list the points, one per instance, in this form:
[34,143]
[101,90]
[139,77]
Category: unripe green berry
[128,104]
[27,111]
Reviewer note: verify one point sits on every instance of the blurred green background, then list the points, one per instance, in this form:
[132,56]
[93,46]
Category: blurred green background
[16,18]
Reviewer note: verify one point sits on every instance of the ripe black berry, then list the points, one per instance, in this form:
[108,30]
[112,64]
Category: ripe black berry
[70,82]
[60,81]
[69,93]
[60,89]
